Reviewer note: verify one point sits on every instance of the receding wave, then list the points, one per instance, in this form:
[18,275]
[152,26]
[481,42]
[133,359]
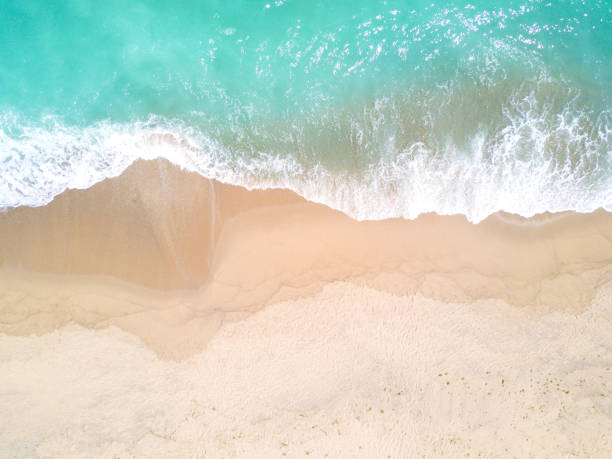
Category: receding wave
[389,158]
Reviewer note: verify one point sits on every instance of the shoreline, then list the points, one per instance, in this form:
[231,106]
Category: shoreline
[168,256]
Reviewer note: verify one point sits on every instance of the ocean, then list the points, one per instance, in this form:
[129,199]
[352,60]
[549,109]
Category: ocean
[379,109]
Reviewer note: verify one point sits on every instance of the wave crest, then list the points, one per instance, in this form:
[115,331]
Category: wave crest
[541,155]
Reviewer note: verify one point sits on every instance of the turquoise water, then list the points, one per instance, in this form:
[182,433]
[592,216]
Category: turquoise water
[377,108]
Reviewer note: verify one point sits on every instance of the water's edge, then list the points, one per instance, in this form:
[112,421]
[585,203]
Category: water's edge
[162,245]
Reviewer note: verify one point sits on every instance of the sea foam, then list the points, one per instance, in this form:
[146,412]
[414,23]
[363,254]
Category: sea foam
[535,163]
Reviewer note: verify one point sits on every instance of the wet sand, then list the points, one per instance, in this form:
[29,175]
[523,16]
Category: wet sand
[168,255]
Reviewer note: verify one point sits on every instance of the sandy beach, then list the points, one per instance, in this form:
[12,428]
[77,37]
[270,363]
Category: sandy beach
[159,313]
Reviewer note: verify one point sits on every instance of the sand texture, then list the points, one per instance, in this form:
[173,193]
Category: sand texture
[351,372]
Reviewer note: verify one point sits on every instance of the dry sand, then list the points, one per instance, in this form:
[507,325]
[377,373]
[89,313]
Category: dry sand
[350,372]
[329,336]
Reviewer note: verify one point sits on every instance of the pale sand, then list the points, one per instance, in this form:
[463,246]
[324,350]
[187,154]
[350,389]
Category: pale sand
[100,257]
[328,335]
[350,372]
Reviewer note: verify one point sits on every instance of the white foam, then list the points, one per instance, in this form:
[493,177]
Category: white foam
[537,162]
